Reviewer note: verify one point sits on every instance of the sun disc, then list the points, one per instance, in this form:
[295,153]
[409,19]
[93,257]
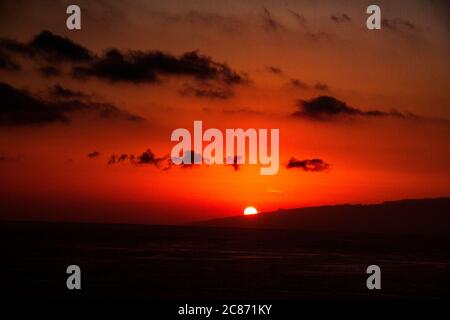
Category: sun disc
[250,210]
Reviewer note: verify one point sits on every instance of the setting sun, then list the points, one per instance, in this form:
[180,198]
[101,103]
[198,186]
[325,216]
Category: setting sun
[250,210]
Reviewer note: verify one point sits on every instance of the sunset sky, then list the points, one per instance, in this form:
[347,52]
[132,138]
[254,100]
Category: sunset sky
[372,106]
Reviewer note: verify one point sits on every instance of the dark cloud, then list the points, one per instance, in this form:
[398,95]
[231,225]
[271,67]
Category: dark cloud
[104,110]
[148,157]
[123,157]
[6,63]
[320,86]
[19,107]
[120,158]
[94,154]
[398,25]
[208,92]
[274,70]
[190,158]
[299,84]
[59,91]
[300,18]
[112,159]
[314,165]
[58,49]
[164,163]
[14,46]
[145,158]
[145,67]
[269,22]
[327,108]
[324,107]
[340,18]
[49,71]
[68,100]
[117,66]
[50,47]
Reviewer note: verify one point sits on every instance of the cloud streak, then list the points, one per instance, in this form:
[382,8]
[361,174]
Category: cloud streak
[145,158]
[312,165]
[94,154]
[270,23]
[328,108]
[147,67]
[49,47]
[20,107]
[299,84]
[340,18]
[6,63]
[300,18]
[398,25]
[114,65]
[274,70]
[320,86]
[59,91]
[207,92]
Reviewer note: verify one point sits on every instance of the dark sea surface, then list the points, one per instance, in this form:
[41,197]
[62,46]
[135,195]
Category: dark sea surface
[177,262]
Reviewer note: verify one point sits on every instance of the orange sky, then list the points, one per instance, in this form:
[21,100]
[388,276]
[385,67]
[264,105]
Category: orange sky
[46,170]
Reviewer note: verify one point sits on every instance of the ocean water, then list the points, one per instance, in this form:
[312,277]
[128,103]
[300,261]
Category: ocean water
[177,262]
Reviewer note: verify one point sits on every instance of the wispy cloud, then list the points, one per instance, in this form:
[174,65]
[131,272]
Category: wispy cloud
[274,70]
[340,18]
[398,25]
[300,18]
[218,93]
[270,23]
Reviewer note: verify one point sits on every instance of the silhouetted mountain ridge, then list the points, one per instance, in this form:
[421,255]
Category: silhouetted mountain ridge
[411,216]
